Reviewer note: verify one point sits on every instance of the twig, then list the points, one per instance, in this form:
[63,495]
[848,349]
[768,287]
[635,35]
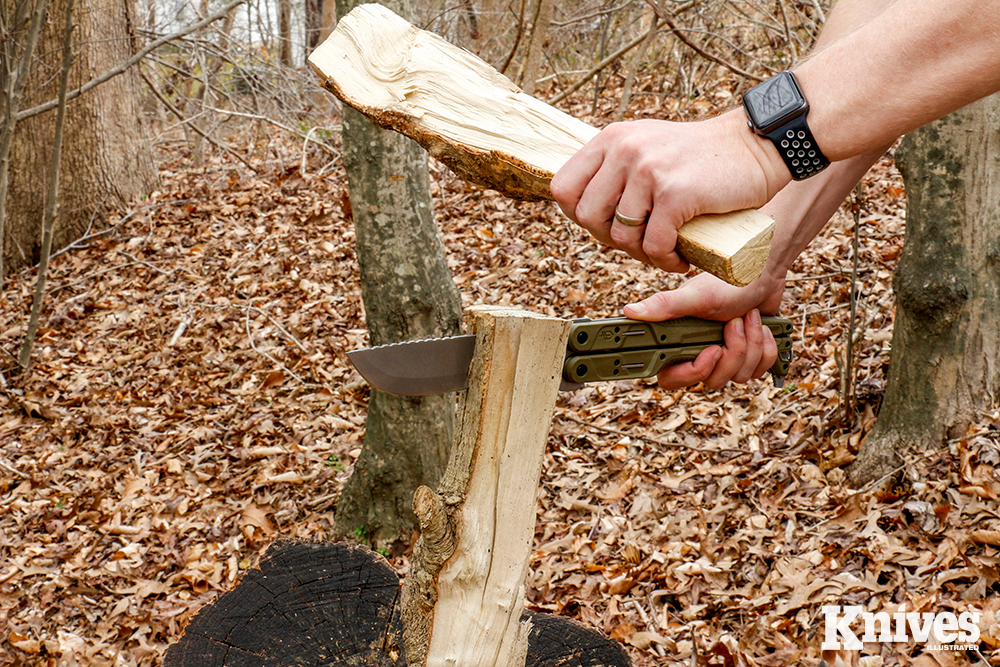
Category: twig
[697,49]
[190,122]
[819,11]
[14,470]
[848,376]
[286,128]
[653,441]
[636,62]
[305,145]
[246,258]
[145,263]
[275,322]
[179,331]
[788,32]
[263,312]
[124,67]
[649,626]
[88,236]
[517,40]
[597,68]
[273,360]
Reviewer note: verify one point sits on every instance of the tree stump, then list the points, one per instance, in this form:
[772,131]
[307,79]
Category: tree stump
[306,604]
[338,604]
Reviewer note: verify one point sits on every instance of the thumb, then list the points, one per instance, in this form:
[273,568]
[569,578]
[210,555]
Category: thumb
[681,302]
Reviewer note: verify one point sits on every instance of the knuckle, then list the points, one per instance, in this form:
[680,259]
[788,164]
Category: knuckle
[587,215]
[621,236]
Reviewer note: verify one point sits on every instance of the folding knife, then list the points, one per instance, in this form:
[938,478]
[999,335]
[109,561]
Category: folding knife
[614,348]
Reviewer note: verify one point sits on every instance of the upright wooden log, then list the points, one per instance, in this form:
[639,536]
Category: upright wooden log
[480,124]
[464,595]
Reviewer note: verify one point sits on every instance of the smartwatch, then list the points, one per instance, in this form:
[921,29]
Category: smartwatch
[777,110]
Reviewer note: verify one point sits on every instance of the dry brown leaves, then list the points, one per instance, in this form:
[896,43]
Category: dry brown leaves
[191,401]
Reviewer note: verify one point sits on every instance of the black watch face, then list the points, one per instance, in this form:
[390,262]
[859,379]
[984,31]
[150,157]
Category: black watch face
[774,102]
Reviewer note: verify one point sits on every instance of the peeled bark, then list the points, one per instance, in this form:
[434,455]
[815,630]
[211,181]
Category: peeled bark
[945,364]
[476,121]
[408,294]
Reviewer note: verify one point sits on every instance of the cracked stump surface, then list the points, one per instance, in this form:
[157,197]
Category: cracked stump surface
[337,604]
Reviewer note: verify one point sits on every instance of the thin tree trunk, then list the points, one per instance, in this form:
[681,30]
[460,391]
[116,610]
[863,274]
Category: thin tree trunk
[285,32]
[16,16]
[533,58]
[314,24]
[946,342]
[51,196]
[408,294]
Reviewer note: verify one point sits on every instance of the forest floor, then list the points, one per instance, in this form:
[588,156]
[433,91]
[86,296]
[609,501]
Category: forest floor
[190,402]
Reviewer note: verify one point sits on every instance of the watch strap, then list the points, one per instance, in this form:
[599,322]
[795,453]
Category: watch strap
[798,148]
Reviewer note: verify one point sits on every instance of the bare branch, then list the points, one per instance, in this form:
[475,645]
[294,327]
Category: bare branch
[190,122]
[124,67]
[665,17]
[600,66]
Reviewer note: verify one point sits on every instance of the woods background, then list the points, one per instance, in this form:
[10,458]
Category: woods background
[181,396]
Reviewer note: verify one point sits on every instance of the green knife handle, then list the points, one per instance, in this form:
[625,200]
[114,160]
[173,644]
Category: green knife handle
[631,364]
[619,333]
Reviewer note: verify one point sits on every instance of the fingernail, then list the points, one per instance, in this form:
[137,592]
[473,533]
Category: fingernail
[755,316]
[637,308]
[739,325]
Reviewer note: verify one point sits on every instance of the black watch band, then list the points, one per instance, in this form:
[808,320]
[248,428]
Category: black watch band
[798,148]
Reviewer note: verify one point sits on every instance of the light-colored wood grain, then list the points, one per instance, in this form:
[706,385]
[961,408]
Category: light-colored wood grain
[733,246]
[476,121]
[462,603]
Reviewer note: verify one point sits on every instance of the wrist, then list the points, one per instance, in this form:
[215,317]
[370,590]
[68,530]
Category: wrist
[777,109]
[761,152]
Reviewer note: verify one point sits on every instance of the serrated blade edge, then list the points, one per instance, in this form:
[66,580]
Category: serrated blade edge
[417,367]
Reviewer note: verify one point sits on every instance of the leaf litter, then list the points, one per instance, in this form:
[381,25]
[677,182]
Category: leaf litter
[191,401]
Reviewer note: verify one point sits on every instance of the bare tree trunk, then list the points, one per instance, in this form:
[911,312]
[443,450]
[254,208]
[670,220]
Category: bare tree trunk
[314,24]
[106,161]
[536,43]
[51,196]
[946,341]
[329,19]
[285,32]
[408,294]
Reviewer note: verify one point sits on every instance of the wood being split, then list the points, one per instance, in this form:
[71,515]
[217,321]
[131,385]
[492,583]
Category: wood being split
[476,121]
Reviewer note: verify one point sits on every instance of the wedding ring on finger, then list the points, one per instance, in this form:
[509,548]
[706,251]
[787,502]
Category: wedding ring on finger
[630,222]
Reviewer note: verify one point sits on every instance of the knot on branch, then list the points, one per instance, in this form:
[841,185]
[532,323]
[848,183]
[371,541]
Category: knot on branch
[437,538]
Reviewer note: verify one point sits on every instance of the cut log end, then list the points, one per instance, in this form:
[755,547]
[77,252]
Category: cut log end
[731,246]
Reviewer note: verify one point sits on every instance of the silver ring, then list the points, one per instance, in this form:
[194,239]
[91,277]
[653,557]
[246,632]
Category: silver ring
[630,222]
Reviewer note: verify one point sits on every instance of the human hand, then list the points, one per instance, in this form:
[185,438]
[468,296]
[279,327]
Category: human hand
[749,350]
[673,172]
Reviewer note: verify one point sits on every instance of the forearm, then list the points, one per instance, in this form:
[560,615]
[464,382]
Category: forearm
[911,63]
[802,208]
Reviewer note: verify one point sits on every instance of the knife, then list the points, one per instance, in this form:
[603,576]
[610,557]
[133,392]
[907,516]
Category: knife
[615,348]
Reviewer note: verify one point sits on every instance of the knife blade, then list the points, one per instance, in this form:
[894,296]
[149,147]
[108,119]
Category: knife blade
[614,348]
[417,367]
